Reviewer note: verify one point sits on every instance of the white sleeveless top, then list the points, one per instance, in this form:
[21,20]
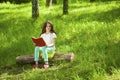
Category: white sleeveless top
[48,38]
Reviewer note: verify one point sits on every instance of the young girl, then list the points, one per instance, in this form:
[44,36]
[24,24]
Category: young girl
[48,34]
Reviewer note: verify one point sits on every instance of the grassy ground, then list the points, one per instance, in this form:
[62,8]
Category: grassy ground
[90,30]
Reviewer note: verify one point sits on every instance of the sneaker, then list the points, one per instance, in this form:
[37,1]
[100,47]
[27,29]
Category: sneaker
[45,66]
[35,66]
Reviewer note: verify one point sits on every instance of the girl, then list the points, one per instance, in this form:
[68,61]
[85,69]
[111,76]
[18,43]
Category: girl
[48,34]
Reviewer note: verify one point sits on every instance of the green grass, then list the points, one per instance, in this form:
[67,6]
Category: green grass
[90,30]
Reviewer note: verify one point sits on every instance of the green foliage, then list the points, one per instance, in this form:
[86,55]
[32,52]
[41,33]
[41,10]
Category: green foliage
[90,30]
[16,1]
[43,2]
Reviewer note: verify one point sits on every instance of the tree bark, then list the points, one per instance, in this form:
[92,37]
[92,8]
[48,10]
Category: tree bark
[65,6]
[35,9]
[58,56]
[92,0]
[54,2]
[48,3]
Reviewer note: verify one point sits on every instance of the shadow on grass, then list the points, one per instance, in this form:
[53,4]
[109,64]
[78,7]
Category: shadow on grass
[14,69]
[8,21]
[21,6]
[79,6]
[15,29]
[112,56]
[109,16]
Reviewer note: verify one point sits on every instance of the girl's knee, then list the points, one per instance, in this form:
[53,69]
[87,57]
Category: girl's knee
[36,48]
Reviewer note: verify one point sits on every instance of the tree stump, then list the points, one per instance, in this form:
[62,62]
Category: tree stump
[57,56]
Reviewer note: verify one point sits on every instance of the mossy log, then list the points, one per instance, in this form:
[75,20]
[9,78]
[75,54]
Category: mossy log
[57,56]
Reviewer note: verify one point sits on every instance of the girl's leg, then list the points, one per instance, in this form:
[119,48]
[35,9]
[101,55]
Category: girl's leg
[45,51]
[36,55]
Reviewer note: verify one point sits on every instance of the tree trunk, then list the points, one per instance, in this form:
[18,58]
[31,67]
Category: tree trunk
[48,3]
[54,2]
[35,9]
[57,56]
[65,6]
[92,0]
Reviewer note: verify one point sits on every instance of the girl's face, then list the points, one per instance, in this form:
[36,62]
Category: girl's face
[48,27]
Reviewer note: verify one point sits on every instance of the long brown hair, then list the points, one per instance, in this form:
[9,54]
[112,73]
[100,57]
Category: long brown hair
[44,27]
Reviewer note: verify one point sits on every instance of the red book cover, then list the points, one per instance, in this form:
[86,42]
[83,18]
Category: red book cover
[39,42]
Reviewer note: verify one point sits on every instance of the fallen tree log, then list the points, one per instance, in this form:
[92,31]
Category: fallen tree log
[57,56]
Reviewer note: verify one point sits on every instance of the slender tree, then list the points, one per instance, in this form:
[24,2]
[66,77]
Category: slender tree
[35,9]
[48,3]
[54,2]
[65,6]
[92,0]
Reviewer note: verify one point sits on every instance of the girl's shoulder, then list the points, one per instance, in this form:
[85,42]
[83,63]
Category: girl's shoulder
[54,35]
[42,34]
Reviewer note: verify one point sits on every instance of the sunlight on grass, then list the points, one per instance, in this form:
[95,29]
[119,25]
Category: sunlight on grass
[90,30]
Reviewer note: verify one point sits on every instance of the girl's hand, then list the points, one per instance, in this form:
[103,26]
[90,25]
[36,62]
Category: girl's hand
[46,45]
[34,44]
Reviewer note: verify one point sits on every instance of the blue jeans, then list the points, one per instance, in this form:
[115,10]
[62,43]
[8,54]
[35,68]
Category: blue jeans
[44,50]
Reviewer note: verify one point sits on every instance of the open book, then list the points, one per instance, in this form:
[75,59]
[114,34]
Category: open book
[39,42]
